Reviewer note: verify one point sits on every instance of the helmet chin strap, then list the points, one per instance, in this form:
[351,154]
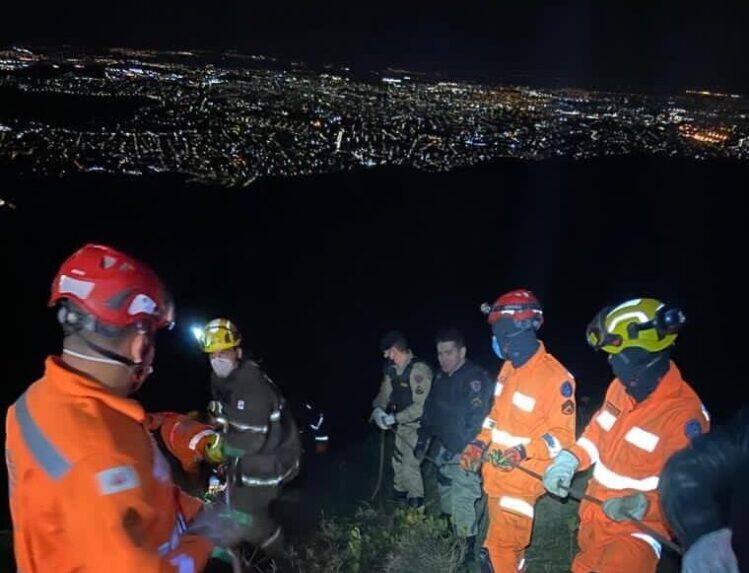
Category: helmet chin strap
[107,356]
[90,358]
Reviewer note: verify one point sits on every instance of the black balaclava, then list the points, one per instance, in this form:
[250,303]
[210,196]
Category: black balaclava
[515,344]
[639,370]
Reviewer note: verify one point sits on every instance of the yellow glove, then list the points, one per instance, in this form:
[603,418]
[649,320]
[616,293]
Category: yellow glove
[214,452]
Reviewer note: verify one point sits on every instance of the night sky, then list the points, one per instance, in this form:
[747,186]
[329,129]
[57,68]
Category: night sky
[316,269]
[651,46]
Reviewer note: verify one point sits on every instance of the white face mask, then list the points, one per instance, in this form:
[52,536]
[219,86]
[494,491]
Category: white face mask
[222,366]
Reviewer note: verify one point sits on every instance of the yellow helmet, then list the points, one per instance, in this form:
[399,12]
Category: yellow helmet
[644,323]
[220,334]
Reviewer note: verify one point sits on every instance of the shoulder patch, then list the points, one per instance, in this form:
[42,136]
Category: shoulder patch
[568,407]
[567,389]
[117,479]
[692,428]
[476,402]
[476,385]
[240,404]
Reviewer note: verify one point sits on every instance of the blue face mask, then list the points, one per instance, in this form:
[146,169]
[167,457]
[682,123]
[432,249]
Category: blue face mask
[497,348]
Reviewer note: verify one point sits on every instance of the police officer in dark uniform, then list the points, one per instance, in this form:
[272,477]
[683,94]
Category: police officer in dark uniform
[460,399]
[262,441]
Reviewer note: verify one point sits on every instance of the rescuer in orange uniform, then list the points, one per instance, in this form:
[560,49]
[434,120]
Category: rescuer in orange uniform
[648,414]
[89,489]
[532,419]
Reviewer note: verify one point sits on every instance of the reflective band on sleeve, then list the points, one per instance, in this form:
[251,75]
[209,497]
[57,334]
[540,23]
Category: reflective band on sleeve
[248,427]
[517,505]
[258,482]
[199,436]
[43,451]
[321,438]
[650,540]
[489,424]
[553,444]
[498,388]
[523,401]
[606,420]
[705,413]
[275,415]
[508,440]
[642,439]
[590,449]
[613,480]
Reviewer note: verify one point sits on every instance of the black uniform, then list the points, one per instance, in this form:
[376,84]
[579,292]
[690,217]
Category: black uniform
[453,414]
[262,438]
[456,406]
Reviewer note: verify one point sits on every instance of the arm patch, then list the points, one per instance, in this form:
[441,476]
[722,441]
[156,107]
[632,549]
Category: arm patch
[117,479]
[567,390]
[692,428]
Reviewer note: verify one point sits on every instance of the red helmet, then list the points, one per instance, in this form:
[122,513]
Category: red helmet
[113,288]
[521,305]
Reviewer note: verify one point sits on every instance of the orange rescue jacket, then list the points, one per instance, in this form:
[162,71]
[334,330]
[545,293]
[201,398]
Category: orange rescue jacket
[534,405]
[629,443]
[89,489]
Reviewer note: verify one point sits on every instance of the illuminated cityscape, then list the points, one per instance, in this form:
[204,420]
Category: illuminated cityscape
[229,118]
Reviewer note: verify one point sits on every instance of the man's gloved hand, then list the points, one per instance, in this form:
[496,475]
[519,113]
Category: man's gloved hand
[376,417]
[627,507]
[446,455]
[508,459]
[558,476]
[711,553]
[214,407]
[216,523]
[214,452]
[383,420]
[420,450]
[473,455]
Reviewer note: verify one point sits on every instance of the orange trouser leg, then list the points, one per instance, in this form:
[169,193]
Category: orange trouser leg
[510,528]
[609,551]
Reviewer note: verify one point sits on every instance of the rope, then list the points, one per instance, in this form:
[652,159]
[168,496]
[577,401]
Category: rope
[382,467]
[584,496]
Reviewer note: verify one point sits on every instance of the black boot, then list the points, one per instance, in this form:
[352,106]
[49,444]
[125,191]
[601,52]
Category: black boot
[486,561]
[470,555]
[415,502]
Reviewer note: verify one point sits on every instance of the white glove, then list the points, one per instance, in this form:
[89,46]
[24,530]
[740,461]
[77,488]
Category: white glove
[558,476]
[627,507]
[711,553]
[388,420]
[377,415]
